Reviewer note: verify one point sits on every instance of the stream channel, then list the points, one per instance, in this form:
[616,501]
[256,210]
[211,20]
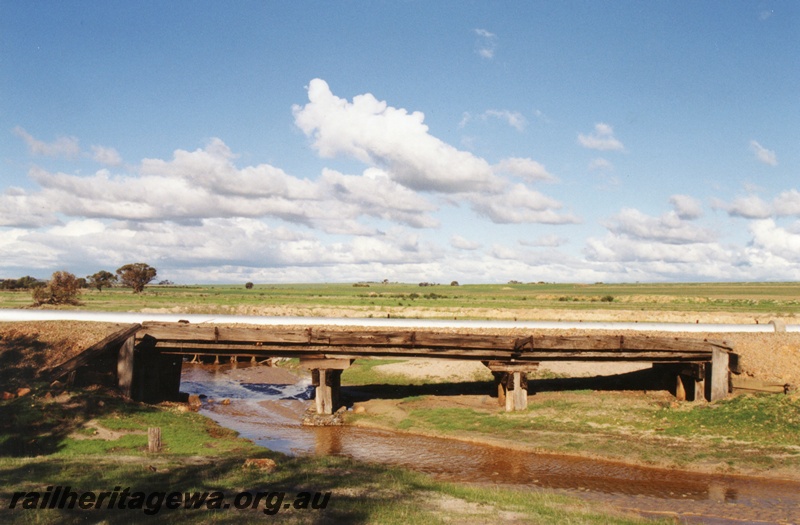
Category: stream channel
[267,408]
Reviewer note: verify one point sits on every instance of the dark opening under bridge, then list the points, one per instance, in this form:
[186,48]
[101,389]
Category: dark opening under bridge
[149,357]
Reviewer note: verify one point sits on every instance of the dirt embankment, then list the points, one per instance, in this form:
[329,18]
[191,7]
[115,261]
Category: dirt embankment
[27,348]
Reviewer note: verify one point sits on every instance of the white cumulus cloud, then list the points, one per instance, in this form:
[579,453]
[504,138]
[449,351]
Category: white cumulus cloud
[524,168]
[686,207]
[486,43]
[461,243]
[514,119]
[763,154]
[379,135]
[67,147]
[107,156]
[602,138]
[520,204]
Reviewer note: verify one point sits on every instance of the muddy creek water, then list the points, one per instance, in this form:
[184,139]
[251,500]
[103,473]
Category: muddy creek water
[270,413]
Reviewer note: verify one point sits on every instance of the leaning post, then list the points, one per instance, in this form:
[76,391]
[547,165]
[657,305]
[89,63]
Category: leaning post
[125,366]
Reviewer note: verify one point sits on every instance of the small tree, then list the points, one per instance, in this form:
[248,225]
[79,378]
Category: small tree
[63,288]
[136,275]
[102,279]
[248,285]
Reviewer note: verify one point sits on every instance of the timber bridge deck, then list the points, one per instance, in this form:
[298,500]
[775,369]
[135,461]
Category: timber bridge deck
[149,357]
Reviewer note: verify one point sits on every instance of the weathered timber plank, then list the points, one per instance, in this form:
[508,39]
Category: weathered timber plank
[666,344]
[452,353]
[192,347]
[511,366]
[177,332]
[257,335]
[125,367]
[114,340]
[720,375]
[572,345]
[754,385]
[378,338]
[209,333]
[325,364]
[520,394]
[414,339]
[432,339]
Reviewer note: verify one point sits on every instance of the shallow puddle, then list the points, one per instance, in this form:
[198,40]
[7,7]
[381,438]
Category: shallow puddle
[269,414]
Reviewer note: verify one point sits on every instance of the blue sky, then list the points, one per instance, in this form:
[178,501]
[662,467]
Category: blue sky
[409,141]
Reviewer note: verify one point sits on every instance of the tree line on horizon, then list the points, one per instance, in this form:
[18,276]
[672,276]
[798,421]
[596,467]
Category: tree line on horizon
[64,287]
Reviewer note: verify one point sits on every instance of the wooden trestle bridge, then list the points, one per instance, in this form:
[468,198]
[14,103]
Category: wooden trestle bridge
[149,356]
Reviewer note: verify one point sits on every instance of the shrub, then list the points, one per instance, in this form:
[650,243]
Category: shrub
[102,279]
[248,285]
[63,288]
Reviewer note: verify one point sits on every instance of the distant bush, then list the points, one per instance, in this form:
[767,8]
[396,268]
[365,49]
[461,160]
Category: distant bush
[63,288]
[101,279]
[607,298]
[248,285]
[23,283]
[454,283]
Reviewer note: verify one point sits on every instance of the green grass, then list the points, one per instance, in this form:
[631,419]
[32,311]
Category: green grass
[379,300]
[361,373]
[766,419]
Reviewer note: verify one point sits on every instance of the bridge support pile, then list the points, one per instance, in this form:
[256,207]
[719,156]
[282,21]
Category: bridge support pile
[511,380]
[326,376]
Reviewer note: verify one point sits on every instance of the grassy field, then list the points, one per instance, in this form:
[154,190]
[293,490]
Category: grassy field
[94,441]
[376,299]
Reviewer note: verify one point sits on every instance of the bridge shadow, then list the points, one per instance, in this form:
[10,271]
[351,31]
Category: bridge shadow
[21,358]
[641,380]
[39,421]
[649,379]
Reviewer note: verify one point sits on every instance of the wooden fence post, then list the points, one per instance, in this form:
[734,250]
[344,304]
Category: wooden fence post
[154,439]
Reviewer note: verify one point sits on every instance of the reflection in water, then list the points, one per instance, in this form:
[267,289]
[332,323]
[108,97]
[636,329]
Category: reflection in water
[270,416]
[328,442]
